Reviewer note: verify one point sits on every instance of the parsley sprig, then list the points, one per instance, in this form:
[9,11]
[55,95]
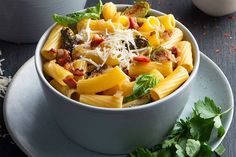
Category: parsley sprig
[189,137]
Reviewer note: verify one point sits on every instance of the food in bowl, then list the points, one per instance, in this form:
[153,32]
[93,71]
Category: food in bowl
[106,58]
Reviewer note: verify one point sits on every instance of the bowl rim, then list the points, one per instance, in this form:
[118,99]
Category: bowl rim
[193,41]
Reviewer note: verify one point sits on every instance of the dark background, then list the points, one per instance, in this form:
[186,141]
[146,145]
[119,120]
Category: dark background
[215,36]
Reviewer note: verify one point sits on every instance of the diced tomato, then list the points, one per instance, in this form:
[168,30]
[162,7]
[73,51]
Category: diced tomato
[133,23]
[96,40]
[70,82]
[142,59]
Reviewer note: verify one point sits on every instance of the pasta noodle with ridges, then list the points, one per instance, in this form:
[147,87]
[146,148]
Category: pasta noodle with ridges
[102,100]
[170,83]
[186,58]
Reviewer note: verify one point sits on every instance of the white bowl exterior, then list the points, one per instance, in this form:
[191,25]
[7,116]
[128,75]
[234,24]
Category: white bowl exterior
[117,131]
[24,21]
[216,7]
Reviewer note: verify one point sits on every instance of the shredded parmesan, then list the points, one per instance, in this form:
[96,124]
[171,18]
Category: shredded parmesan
[4,81]
[116,45]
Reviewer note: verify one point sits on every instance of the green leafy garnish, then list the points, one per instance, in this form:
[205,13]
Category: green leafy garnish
[142,86]
[220,150]
[189,137]
[73,18]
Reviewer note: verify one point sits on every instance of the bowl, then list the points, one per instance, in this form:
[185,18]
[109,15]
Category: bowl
[24,21]
[216,7]
[117,131]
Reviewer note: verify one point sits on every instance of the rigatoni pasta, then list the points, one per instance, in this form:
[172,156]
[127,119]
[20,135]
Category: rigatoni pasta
[116,59]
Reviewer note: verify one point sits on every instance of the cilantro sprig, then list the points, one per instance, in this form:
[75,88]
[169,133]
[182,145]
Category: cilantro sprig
[73,18]
[190,137]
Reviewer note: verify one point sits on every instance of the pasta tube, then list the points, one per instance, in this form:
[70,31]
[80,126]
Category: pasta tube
[186,57]
[142,68]
[109,10]
[56,71]
[102,82]
[170,83]
[125,87]
[150,24]
[175,37]
[102,100]
[157,74]
[154,39]
[168,21]
[65,90]
[53,42]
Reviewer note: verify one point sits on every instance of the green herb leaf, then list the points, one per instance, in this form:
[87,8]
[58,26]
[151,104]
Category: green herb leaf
[201,128]
[63,20]
[218,125]
[73,18]
[220,150]
[192,147]
[205,151]
[189,137]
[207,109]
[179,151]
[142,86]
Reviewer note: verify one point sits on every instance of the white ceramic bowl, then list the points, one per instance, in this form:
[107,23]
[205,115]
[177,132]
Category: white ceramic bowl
[24,21]
[216,7]
[117,131]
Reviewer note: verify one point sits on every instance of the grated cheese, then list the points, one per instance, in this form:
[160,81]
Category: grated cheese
[4,81]
[116,45]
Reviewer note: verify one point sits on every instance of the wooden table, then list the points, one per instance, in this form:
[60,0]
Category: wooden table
[215,36]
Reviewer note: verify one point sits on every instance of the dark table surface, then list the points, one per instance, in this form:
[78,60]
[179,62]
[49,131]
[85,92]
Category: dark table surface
[216,37]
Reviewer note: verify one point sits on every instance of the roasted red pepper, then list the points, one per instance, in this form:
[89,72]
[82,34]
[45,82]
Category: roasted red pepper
[142,59]
[133,23]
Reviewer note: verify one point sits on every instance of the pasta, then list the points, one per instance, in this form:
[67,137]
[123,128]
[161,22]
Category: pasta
[168,21]
[112,58]
[142,68]
[52,43]
[102,100]
[177,35]
[186,58]
[150,24]
[96,84]
[56,71]
[170,83]
[109,10]
[65,90]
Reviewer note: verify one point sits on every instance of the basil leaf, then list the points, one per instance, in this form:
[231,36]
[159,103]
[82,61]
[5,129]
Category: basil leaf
[142,86]
[63,20]
[97,9]
[70,19]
